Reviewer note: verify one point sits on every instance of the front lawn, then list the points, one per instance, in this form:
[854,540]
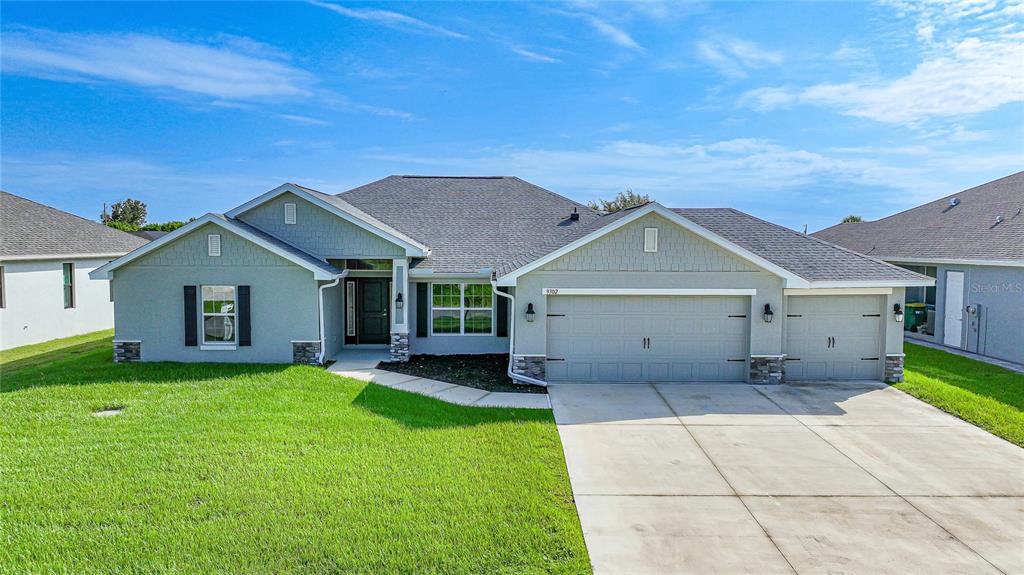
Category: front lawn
[986,395]
[269,469]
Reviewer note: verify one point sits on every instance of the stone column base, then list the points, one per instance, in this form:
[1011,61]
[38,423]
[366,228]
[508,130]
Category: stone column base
[127,350]
[530,365]
[399,348]
[894,368]
[767,369]
[306,352]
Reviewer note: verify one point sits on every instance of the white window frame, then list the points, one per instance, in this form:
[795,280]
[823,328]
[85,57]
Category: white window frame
[650,240]
[462,309]
[218,345]
[67,269]
[289,213]
[211,243]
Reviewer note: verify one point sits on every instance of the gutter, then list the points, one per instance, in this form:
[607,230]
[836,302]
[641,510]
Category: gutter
[323,336]
[512,337]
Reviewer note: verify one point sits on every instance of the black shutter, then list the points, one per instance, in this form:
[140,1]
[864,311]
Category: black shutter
[244,331]
[422,309]
[502,313]
[191,321]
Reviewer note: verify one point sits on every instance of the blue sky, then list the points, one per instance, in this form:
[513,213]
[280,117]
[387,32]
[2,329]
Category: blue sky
[799,113]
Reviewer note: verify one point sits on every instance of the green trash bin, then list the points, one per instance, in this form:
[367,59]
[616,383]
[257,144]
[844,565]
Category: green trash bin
[916,316]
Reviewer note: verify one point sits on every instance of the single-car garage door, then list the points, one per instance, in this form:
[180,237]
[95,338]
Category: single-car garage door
[647,338]
[834,337]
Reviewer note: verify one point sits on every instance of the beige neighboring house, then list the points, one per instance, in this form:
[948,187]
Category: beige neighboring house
[45,259]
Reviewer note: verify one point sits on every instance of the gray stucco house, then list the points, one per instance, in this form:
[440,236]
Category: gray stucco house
[444,265]
[972,242]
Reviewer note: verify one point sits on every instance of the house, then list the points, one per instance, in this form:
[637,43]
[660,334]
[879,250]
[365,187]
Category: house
[45,258]
[148,235]
[972,242]
[444,265]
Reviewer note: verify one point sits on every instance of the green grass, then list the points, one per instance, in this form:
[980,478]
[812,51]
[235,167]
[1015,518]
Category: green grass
[986,395]
[269,469]
[37,354]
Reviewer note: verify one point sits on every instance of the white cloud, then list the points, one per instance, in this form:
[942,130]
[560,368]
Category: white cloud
[734,58]
[612,32]
[218,71]
[305,120]
[767,99]
[391,19]
[532,55]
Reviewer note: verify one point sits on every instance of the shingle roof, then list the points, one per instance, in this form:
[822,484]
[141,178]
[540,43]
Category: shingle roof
[937,230]
[148,234]
[471,223]
[29,228]
[504,223]
[806,256]
[297,253]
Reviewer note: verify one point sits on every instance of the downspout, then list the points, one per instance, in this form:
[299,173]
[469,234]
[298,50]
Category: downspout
[323,335]
[512,336]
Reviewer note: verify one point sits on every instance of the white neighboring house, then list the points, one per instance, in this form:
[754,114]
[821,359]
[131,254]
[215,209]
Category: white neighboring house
[45,259]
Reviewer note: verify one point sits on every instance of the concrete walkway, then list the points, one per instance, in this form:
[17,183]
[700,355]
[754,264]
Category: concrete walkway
[734,478]
[362,365]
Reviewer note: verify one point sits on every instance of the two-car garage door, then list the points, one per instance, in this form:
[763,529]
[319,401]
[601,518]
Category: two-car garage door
[647,338]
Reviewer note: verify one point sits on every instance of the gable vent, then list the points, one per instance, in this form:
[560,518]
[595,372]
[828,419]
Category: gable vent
[289,213]
[213,245]
[650,240]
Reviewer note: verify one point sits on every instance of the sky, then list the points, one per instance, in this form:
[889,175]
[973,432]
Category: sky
[798,113]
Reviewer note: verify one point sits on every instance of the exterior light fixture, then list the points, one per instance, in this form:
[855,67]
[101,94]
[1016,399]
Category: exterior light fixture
[399,302]
[897,313]
[530,314]
[768,314]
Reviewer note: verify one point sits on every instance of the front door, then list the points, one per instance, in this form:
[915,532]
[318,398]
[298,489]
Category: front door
[373,310]
[954,322]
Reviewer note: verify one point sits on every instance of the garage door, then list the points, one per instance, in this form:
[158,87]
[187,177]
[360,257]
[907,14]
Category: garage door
[647,338]
[833,337]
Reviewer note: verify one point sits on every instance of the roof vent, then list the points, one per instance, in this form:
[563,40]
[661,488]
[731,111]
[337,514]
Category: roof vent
[953,202]
[575,215]
[999,220]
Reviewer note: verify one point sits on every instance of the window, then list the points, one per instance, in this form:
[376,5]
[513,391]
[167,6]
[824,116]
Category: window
[3,289]
[650,239]
[289,213]
[69,286]
[213,245]
[218,315]
[374,265]
[461,309]
[350,309]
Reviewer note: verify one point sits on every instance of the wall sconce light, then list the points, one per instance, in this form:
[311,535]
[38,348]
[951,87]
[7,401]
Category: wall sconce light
[768,314]
[399,303]
[530,314]
[897,313]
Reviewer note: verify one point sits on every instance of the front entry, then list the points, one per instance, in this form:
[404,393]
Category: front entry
[372,311]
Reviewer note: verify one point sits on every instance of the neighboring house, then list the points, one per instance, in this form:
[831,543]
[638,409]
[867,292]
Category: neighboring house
[411,264]
[45,258]
[972,242]
[148,235]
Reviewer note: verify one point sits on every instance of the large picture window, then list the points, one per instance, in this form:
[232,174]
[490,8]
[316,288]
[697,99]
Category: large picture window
[461,309]
[219,315]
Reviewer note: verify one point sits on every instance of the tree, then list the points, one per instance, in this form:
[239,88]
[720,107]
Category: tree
[852,218]
[165,227]
[621,201]
[128,211]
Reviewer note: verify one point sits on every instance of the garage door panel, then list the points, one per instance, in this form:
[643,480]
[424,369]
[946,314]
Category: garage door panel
[834,337]
[652,338]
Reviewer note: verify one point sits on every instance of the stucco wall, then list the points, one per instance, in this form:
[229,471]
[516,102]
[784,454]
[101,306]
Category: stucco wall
[318,231]
[999,291]
[148,302]
[679,250]
[35,302]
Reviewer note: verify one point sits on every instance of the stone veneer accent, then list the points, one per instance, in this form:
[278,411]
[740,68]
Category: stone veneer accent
[894,368]
[530,365]
[126,351]
[306,352]
[399,347]
[767,369]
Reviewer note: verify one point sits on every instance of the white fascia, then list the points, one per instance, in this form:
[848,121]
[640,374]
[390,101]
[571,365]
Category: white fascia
[792,280]
[412,248]
[955,262]
[103,272]
[59,257]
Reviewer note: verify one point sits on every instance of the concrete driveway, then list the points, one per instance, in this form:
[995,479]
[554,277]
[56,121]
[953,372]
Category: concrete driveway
[837,479]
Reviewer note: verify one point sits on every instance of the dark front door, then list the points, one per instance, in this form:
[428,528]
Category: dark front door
[372,299]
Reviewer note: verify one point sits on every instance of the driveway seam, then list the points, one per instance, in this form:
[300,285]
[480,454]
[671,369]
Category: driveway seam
[724,478]
[844,454]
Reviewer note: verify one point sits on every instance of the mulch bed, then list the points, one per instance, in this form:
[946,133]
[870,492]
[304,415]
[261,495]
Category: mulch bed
[486,371]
